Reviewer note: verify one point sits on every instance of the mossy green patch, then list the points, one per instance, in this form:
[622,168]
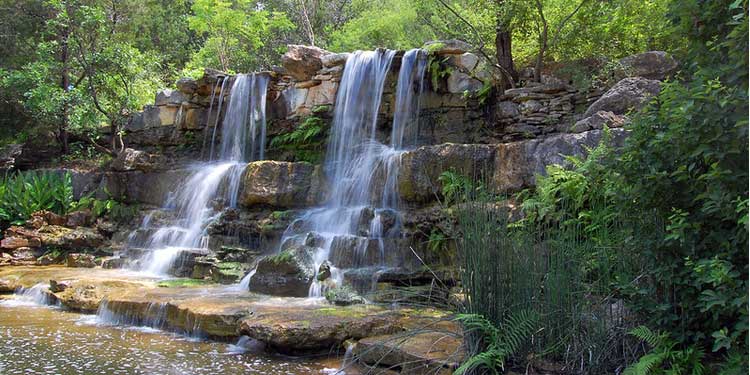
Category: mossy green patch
[182,283]
[282,257]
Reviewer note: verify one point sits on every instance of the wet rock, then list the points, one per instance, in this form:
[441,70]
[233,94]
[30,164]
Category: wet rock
[113,262]
[49,259]
[301,62]
[81,296]
[656,65]
[237,254]
[7,286]
[80,260]
[629,94]
[56,286]
[317,330]
[185,261]
[418,352]
[281,184]
[228,272]
[289,273]
[324,271]
[343,296]
[448,47]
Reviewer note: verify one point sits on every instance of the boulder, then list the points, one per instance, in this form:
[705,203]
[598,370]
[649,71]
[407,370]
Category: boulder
[459,83]
[136,160]
[302,62]
[8,155]
[24,255]
[170,97]
[317,329]
[422,352]
[322,94]
[48,259]
[597,121]
[70,239]
[56,286]
[629,94]
[187,86]
[507,109]
[281,184]
[656,65]
[448,47]
[289,273]
[41,218]
[113,262]
[80,260]
[343,296]
[334,59]
[11,243]
[79,218]
[465,61]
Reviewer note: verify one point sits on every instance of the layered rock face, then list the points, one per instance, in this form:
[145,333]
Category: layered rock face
[504,139]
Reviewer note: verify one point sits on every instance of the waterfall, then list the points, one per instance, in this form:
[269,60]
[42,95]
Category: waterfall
[37,295]
[211,186]
[362,170]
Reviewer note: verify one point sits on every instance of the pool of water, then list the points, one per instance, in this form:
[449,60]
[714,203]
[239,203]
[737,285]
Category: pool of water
[46,340]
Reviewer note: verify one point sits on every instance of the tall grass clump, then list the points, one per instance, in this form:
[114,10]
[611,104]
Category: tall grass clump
[548,276]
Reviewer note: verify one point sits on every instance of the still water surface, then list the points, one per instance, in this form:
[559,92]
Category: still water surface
[46,340]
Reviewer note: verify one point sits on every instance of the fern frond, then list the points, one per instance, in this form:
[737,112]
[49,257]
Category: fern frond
[652,338]
[518,327]
[646,364]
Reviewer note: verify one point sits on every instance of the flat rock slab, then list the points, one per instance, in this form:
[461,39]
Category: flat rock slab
[287,325]
[428,347]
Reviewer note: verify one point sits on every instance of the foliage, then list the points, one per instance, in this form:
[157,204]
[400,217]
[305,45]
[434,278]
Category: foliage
[233,32]
[22,194]
[391,24]
[498,342]
[665,357]
[437,240]
[305,141]
[454,186]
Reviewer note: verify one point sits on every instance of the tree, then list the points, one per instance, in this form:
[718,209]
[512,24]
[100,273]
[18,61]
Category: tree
[232,31]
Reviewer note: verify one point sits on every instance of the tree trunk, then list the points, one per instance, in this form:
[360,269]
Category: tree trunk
[503,52]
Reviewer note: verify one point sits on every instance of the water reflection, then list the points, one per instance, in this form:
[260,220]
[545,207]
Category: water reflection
[40,340]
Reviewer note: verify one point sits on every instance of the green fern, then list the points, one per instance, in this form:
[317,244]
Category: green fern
[664,358]
[501,342]
[454,186]
[306,132]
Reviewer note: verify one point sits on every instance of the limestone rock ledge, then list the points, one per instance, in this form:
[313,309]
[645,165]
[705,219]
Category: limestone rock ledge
[282,184]
[505,168]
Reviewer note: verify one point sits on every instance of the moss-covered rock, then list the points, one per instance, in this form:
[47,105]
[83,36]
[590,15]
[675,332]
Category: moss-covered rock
[289,273]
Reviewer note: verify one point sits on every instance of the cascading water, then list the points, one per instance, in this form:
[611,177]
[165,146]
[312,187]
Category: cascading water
[211,185]
[361,169]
